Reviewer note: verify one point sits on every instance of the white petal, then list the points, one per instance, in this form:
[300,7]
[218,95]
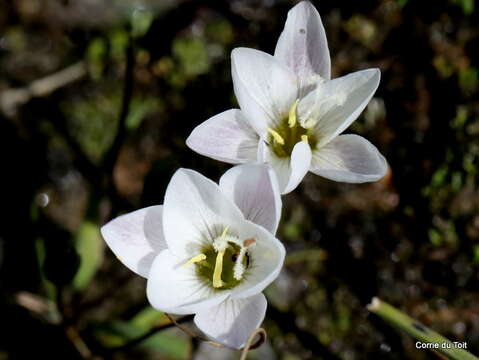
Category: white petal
[254,189]
[175,288]
[300,164]
[302,45]
[290,171]
[349,158]
[335,104]
[136,238]
[225,137]
[265,89]
[232,322]
[195,213]
[266,259]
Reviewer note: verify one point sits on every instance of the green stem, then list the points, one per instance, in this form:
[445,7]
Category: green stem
[418,331]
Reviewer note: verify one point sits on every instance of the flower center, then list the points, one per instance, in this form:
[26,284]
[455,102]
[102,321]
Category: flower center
[223,263]
[288,133]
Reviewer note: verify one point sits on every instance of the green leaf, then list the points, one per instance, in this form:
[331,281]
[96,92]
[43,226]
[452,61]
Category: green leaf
[149,317]
[169,344]
[166,342]
[89,246]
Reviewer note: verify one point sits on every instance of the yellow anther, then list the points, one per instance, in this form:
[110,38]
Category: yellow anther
[217,282]
[276,136]
[196,259]
[292,114]
[305,138]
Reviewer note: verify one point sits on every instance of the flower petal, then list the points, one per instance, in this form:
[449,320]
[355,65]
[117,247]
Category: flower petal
[265,88]
[335,104]
[266,258]
[349,158]
[136,238]
[290,171]
[302,46]
[195,211]
[254,189]
[175,288]
[232,322]
[225,137]
[300,164]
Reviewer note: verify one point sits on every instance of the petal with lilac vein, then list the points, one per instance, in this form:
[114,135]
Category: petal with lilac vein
[225,137]
[302,46]
[232,322]
[349,158]
[254,189]
[195,212]
[335,104]
[175,287]
[136,238]
[290,170]
[265,89]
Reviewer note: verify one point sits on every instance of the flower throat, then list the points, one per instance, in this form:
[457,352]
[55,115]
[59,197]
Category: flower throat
[223,263]
[288,133]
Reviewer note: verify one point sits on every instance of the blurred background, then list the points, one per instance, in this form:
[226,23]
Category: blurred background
[97,98]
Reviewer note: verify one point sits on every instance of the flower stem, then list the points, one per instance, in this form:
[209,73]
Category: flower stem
[418,331]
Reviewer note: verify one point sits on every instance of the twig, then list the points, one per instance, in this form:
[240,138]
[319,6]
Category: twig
[12,98]
[151,332]
[418,331]
[248,346]
[78,342]
[88,169]
[188,332]
[114,151]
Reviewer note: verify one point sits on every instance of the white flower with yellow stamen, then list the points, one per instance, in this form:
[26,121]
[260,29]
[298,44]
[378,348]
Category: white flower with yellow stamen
[292,113]
[209,250]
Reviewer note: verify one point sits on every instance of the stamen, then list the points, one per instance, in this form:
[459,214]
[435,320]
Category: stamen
[195,259]
[220,242]
[292,114]
[305,138]
[238,268]
[217,282]
[276,136]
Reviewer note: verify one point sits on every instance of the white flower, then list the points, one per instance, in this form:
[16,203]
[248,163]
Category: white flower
[292,113]
[209,250]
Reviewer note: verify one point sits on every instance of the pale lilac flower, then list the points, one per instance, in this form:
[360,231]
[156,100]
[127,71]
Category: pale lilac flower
[209,250]
[291,113]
